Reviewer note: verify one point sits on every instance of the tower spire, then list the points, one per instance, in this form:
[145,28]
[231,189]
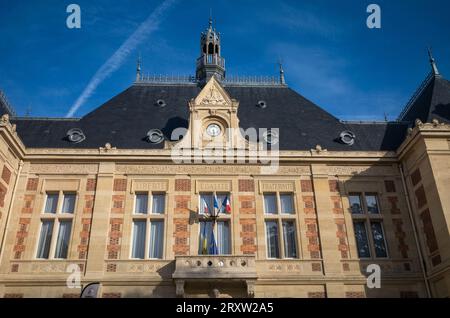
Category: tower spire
[210,19]
[210,63]
[433,62]
[282,80]
[138,68]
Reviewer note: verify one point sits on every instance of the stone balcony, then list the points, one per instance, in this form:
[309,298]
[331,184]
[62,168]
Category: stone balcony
[214,268]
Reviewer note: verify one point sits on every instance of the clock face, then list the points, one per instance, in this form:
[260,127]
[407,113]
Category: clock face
[213,130]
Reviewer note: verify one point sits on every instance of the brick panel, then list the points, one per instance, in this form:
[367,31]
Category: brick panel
[247,204]
[84,238]
[312,235]
[115,232]
[421,197]
[183,185]
[6,175]
[181,236]
[333,185]
[389,186]
[393,201]
[118,204]
[248,234]
[111,268]
[316,267]
[416,177]
[341,235]
[306,185]
[21,235]
[401,235]
[246,186]
[182,204]
[428,230]
[88,204]
[91,184]
[316,295]
[355,295]
[32,184]
[3,191]
[10,295]
[309,205]
[337,205]
[120,185]
[28,203]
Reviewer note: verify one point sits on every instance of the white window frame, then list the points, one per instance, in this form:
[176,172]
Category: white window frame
[148,218]
[150,195]
[56,217]
[368,218]
[279,218]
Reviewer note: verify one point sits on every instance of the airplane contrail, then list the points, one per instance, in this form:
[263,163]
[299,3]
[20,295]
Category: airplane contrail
[116,60]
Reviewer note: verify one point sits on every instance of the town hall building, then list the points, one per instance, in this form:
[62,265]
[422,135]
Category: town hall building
[218,186]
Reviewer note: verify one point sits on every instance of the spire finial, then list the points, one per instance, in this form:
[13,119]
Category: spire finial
[138,68]
[433,62]
[210,18]
[282,80]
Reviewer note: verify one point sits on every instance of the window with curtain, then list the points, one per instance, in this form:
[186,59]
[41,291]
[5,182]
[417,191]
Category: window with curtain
[220,198]
[206,201]
[156,239]
[141,203]
[355,203]
[378,239]
[372,203]
[139,234]
[287,203]
[45,239]
[51,203]
[68,203]
[290,239]
[222,237]
[270,203]
[159,203]
[362,242]
[54,238]
[62,243]
[272,239]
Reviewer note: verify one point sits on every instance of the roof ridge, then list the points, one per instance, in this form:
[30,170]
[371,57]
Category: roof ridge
[416,95]
[45,118]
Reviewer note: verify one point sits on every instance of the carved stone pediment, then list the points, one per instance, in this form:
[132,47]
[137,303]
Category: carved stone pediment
[213,95]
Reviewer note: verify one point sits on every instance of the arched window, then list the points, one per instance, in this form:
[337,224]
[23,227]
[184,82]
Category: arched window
[210,48]
[217,49]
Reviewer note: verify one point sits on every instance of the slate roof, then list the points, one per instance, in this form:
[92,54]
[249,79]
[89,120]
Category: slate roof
[432,102]
[125,120]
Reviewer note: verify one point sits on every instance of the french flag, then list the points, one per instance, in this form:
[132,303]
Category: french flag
[205,209]
[227,205]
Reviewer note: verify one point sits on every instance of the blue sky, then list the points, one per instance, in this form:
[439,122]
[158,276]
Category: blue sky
[329,54]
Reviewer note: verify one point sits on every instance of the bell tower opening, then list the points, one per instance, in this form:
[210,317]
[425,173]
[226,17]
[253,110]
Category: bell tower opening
[210,63]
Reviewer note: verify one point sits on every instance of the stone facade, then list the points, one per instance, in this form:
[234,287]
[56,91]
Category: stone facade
[411,185]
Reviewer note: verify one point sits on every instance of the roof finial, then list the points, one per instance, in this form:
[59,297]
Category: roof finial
[282,80]
[138,68]
[210,18]
[433,62]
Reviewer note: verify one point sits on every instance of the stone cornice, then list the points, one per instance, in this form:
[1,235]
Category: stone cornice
[435,129]
[8,131]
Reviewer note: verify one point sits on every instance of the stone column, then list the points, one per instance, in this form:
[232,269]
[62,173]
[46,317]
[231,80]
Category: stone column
[327,228]
[100,222]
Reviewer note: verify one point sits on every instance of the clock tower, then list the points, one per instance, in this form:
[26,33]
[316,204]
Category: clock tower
[210,63]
